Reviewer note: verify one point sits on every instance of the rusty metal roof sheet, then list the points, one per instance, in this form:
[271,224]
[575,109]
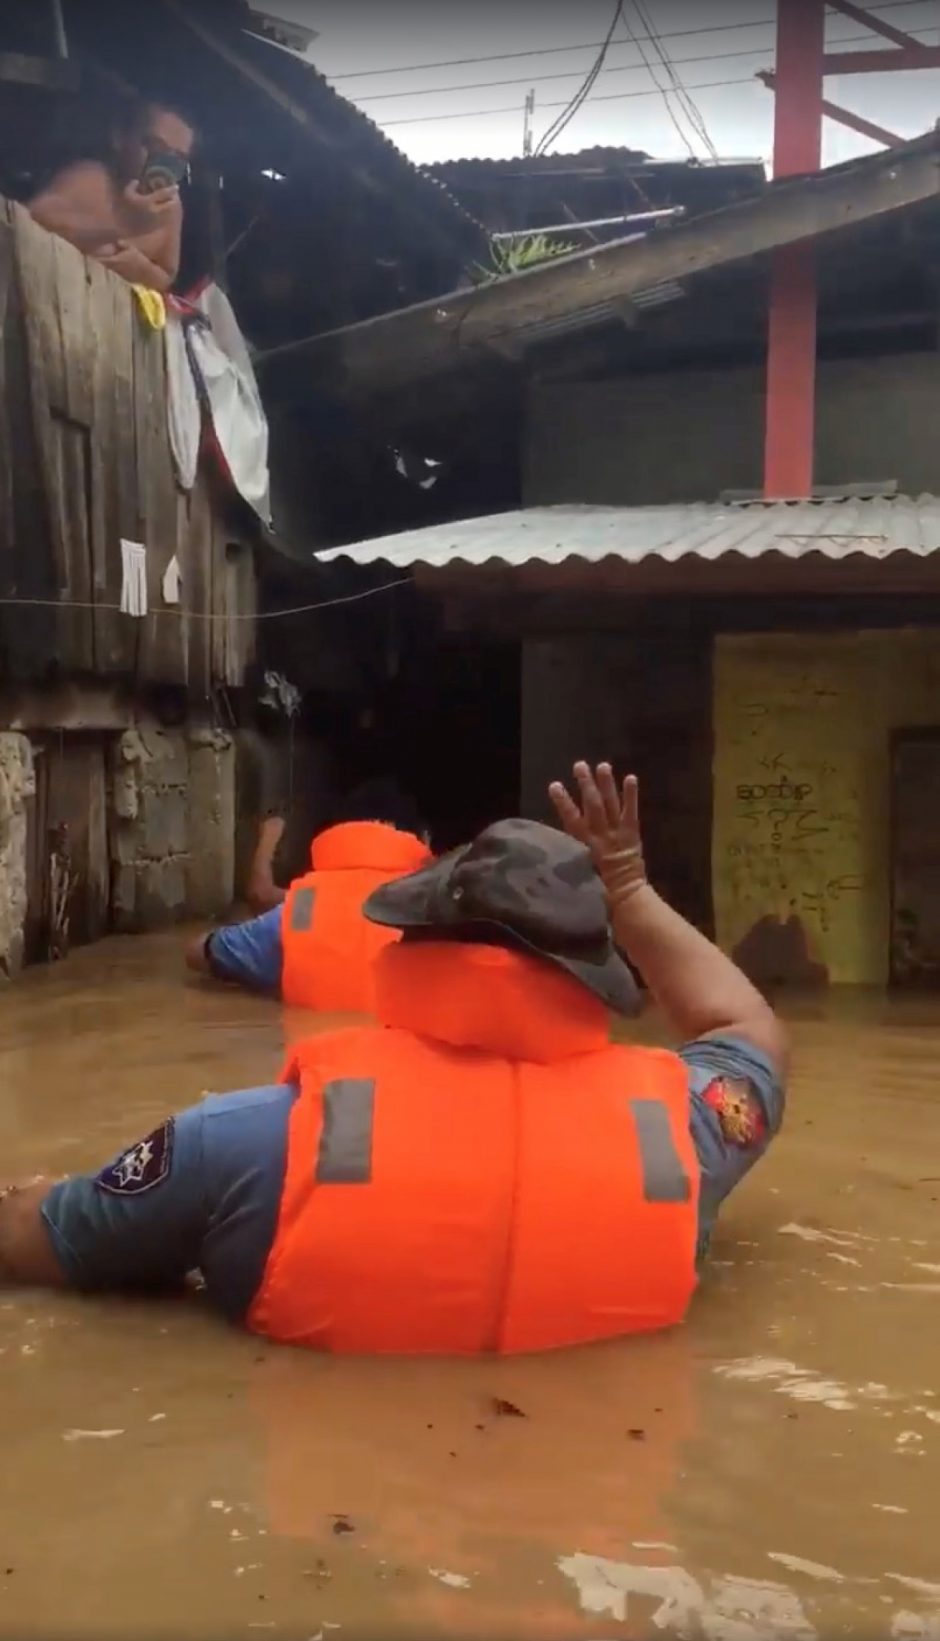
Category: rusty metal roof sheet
[875,527]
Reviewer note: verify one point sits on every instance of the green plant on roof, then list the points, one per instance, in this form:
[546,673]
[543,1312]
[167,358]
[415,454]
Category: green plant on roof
[512,256]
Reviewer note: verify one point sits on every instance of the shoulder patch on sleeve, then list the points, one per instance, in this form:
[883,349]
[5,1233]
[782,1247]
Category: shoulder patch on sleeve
[142,1167]
[738,1110]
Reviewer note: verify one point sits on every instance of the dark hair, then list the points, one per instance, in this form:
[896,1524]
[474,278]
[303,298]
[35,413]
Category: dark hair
[381,800]
[166,105]
[86,126]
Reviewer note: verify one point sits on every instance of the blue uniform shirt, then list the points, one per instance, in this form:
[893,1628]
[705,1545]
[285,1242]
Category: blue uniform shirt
[203,1191]
[249,954]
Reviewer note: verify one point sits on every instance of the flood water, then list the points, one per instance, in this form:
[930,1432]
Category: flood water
[771,1469]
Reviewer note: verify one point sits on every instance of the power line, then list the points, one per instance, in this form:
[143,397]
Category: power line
[680,130]
[584,90]
[620,68]
[605,97]
[687,103]
[584,45]
[565,74]
[609,96]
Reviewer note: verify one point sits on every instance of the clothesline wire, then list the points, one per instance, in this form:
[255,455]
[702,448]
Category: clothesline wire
[211,615]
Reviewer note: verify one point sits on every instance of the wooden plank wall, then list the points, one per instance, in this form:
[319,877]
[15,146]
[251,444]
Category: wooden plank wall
[85,460]
[67,819]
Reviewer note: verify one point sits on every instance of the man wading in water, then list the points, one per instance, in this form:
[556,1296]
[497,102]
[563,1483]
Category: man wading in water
[483,1170]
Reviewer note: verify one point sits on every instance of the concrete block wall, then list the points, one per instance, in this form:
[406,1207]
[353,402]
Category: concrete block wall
[210,823]
[172,825]
[685,436]
[17,784]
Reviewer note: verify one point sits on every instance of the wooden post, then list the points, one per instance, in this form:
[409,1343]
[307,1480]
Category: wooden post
[791,342]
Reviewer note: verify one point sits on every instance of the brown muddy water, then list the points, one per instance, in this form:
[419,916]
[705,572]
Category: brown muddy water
[771,1469]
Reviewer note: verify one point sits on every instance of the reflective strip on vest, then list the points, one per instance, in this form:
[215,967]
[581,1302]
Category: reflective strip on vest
[664,1178]
[301,911]
[345,1152]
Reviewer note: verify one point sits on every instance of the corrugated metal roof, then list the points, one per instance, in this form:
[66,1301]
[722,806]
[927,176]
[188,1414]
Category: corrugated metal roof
[874,527]
[299,76]
[584,160]
[599,313]
[592,158]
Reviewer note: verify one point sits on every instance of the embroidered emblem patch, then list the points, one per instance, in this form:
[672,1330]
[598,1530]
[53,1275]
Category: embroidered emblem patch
[738,1111]
[142,1167]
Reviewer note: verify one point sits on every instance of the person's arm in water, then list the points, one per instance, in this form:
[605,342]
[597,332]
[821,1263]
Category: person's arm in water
[262,892]
[27,1252]
[201,1192]
[244,954]
[703,994]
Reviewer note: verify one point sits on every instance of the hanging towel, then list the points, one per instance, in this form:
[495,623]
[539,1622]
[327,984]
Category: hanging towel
[183,415]
[209,370]
[133,578]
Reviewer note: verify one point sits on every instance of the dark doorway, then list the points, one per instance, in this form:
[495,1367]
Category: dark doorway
[915,858]
[67,846]
[461,735]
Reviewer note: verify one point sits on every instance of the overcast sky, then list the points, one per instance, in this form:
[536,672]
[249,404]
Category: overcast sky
[370,49]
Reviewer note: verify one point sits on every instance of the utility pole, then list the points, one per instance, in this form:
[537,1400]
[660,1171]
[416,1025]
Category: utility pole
[791,342]
[797,81]
[527,123]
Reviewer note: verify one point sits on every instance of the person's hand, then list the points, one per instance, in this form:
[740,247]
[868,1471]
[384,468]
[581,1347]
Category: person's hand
[607,821]
[152,206]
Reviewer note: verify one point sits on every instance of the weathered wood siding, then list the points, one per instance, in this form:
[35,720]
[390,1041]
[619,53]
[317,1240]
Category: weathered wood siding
[84,461]
[67,834]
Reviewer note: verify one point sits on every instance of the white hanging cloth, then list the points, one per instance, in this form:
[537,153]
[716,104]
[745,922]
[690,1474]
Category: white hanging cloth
[209,368]
[133,578]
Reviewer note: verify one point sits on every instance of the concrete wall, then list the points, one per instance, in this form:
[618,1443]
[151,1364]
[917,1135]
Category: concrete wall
[16,786]
[687,436]
[800,840]
[210,823]
[172,825]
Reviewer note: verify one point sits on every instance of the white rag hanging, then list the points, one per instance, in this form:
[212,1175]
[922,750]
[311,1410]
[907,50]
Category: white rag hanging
[209,366]
[172,581]
[133,578]
[183,416]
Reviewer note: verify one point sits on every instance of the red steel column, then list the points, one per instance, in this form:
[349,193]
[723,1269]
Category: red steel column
[791,343]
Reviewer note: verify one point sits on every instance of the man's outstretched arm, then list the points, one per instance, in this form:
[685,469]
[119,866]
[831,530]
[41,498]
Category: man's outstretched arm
[243,954]
[136,1224]
[27,1252]
[263,893]
[702,993]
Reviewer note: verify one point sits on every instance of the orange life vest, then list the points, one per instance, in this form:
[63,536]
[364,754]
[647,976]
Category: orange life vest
[485,1173]
[329,948]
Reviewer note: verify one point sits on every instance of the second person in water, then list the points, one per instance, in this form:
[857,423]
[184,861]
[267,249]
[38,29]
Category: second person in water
[317,950]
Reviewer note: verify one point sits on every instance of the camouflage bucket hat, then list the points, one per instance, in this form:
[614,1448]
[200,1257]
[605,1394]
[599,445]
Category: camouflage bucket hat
[525,880]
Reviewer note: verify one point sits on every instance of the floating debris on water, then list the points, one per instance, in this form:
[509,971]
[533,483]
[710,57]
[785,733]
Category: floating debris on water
[454,1581]
[812,1569]
[90,1435]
